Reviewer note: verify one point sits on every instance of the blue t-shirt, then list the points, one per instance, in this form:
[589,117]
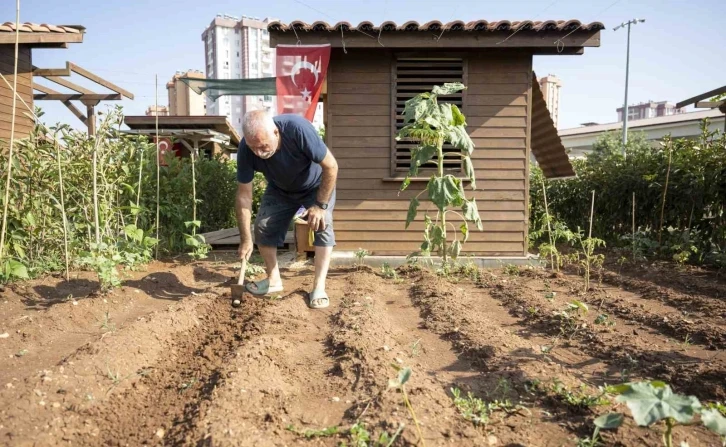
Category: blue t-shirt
[294,169]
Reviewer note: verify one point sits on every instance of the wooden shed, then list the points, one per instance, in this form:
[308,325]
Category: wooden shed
[31,36]
[373,70]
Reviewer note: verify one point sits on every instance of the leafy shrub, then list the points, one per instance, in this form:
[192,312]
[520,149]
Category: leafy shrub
[694,218]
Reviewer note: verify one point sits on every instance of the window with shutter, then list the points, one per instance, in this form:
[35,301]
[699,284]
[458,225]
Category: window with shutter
[416,75]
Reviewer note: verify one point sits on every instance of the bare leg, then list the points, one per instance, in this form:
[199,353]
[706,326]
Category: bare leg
[269,254]
[322,262]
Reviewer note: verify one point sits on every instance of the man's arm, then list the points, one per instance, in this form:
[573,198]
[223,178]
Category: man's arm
[243,209]
[330,176]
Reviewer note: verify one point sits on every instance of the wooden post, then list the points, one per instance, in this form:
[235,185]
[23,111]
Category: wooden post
[91,116]
[665,191]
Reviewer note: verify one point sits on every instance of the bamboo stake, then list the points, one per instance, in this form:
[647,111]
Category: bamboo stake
[665,191]
[549,227]
[12,131]
[63,211]
[158,168]
[95,192]
[633,226]
[592,213]
[138,192]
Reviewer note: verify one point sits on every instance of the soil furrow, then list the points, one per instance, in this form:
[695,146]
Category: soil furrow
[628,351]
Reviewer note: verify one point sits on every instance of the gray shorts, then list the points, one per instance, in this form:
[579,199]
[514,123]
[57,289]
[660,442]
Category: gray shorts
[276,212]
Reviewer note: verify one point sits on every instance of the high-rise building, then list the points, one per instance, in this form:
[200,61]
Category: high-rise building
[649,109]
[550,86]
[183,100]
[154,111]
[238,48]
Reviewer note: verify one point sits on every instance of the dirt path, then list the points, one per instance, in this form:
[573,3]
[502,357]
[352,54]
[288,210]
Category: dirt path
[176,365]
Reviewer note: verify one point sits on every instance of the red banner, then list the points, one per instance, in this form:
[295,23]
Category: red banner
[301,70]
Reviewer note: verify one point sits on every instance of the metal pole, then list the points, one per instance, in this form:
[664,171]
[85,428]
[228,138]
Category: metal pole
[625,104]
[627,73]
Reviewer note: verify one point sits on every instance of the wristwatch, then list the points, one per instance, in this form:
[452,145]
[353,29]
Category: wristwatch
[323,206]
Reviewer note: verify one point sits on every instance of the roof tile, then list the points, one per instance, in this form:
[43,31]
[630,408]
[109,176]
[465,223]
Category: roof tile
[29,27]
[435,25]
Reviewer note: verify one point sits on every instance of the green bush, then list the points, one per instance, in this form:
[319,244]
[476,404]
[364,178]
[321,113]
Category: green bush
[34,236]
[694,228]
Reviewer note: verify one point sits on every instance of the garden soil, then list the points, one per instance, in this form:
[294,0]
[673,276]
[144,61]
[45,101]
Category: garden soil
[166,360]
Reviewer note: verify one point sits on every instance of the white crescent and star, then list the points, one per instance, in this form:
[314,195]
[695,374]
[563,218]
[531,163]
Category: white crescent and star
[300,65]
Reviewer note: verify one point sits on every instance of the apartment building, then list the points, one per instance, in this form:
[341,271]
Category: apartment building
[649,109]
[183,101]
[550,86]
[238,48]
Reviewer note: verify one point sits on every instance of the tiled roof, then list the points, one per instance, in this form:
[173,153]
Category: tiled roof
[435,25]
[27,27]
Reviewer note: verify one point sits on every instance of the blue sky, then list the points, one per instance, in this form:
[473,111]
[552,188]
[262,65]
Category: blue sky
[677,53]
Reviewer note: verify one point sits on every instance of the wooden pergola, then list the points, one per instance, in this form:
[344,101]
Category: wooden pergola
[87,97]
[700,103]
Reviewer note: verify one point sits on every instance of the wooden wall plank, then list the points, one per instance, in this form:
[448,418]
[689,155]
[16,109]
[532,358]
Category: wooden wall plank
[347,77]
[399,226]
[416,188]
[369,131]
[362,89]
[388,247]
[355,110]
[366,183]
[498,132]
[500,89]
[359,100]
[488,121]
[339,215]
[497,100]
[489,110]
[362,121]
[417,236]
[402,205]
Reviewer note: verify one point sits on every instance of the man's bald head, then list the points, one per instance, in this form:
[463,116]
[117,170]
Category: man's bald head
[261,133]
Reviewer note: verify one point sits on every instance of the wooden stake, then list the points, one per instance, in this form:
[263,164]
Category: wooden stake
[138,192]
[549,227]
[12,131]
[158,168]
[63,212]
[665,191]
[592,213]
[633,226]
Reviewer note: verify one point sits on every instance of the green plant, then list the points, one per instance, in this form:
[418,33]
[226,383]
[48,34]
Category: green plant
[652,402]
[511,270]
[137,248]
[388,272]
[196,242]
[570,318]
[608,421]
[360,255]
[478,411]
[589,259]
[416,348]
[314,433]
[404,374]
[696,199]
[578,398]
[361,437]
[103,259]
[430,125]
[12,269]
[106,324]
[605,320]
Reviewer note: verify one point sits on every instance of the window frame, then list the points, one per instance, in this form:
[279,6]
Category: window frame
[395,172]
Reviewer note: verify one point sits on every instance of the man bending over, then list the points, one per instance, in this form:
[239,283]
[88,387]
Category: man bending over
[300,171]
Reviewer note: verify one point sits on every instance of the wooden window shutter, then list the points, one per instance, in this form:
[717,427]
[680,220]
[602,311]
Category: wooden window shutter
[414,75]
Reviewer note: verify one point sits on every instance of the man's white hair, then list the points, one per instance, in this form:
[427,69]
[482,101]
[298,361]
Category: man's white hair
[257,123]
